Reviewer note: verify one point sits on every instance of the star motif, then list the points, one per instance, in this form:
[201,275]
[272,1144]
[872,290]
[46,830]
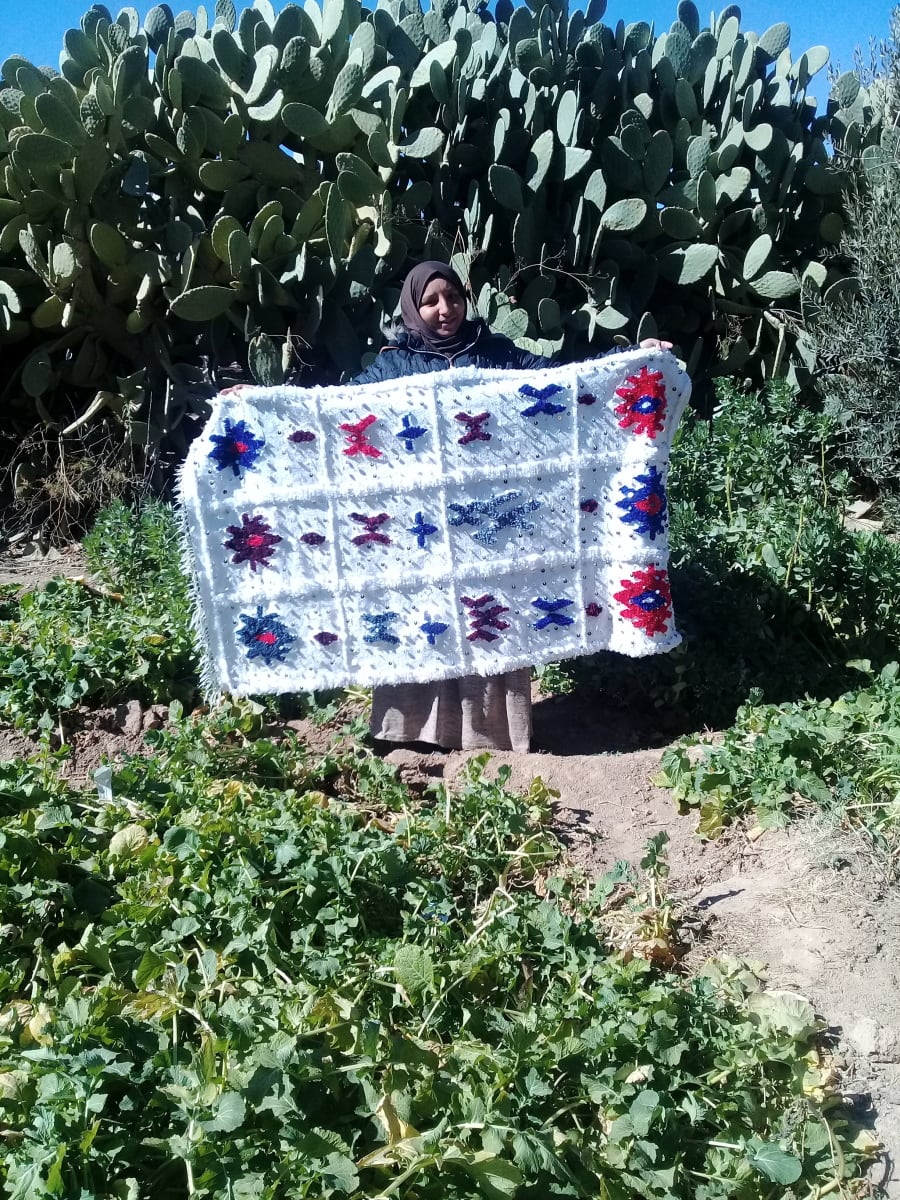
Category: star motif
[252,541]
[238,447]
[266,636]
[643,406]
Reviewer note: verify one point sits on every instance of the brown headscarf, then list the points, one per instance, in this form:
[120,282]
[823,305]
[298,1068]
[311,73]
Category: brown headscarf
[411,298]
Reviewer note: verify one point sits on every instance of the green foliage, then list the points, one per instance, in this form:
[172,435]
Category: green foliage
[277,176]
[773,594]
[840,756]
[253,971]
[756,488]
[856,341]
[71,642]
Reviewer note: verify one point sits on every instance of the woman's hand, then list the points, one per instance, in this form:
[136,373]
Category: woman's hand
[654,344]
[235,389]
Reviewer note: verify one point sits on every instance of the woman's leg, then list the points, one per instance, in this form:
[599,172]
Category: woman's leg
[473,713]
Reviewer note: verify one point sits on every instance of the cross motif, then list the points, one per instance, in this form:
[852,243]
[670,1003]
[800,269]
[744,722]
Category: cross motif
[498,516]
[474,427]
[542,404]
[371,534]
[410,432]
[379,630]
[483,620]
[553,614]
[423,530]
[357,442]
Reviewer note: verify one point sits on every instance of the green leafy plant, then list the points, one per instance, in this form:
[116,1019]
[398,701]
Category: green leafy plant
[250,970]
[839,756]
[74,641]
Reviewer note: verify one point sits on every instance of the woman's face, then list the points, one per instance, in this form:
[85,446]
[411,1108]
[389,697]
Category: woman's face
[442,309]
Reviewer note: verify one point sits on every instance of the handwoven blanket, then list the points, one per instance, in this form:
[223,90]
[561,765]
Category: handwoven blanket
[456,523]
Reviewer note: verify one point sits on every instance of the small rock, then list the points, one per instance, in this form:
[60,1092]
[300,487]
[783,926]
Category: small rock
[863,1036]
[129,718]
[155,717]
[873,1039]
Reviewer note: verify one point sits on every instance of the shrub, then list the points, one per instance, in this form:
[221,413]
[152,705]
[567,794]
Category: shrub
[254,971]
[859,342]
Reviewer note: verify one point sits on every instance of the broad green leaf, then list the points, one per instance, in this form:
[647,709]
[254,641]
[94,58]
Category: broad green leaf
[776,1164]
[128,841]
[497,1178]
[642,1109]
[414,969]
[231,1112]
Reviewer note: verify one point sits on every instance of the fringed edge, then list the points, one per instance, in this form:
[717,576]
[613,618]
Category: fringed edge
[369,679]
[210,685]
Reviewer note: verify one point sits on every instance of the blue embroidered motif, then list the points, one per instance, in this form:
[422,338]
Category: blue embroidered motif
[266,636]
[498,517]
[238,447]
[423,530]
[433,630]
[543,393]
[410,432]
[553,614]
[379,631]
[543,403]
[645,506]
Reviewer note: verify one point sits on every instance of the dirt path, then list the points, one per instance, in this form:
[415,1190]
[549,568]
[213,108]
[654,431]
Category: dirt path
[809,902]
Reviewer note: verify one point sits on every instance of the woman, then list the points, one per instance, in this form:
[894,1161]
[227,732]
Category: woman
[470,713]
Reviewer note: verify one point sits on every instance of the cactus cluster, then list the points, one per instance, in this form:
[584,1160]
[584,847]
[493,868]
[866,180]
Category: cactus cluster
[196,189]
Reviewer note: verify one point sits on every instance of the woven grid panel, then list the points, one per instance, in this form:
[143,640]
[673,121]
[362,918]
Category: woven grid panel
[463,522]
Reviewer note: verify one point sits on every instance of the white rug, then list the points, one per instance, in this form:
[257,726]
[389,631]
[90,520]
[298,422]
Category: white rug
[456,523]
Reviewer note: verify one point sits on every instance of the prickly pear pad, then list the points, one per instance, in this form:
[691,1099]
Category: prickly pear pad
[455,523]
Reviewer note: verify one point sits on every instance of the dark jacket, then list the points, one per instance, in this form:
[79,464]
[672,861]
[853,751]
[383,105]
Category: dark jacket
[409,356]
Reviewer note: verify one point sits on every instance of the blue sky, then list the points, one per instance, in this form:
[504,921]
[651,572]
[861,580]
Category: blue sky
[35,28]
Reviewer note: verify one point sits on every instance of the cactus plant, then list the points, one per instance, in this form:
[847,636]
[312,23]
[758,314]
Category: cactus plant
[256,189]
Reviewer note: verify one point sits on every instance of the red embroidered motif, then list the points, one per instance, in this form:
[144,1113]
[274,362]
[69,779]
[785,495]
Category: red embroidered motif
[646,600]
[357,442]
[643,406]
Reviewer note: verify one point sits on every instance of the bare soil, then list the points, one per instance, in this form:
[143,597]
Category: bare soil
[30,565]
[812,903]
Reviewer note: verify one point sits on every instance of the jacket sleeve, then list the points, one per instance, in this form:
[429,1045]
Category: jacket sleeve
[374,372]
